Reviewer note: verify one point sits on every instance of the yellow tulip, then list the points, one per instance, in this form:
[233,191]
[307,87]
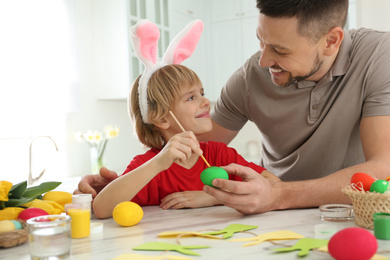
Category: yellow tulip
[61,197]
[57,208]
[5,187]
[10,213]
[49,206]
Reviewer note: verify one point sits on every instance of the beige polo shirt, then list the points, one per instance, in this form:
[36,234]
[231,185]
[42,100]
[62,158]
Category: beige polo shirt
[309,129]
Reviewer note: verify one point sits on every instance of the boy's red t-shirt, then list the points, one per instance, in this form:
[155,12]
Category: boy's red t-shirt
[177,178]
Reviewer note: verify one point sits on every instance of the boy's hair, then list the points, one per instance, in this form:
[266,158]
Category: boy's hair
[315,17]
[164,89]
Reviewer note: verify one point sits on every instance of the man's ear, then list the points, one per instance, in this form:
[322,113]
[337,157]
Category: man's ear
[333,40]
[162,123]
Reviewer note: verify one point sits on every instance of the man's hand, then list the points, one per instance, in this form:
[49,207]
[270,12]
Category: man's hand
[93,184]
[188,199]
[255,194]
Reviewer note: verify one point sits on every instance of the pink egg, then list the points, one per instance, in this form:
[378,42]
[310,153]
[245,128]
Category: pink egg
[353,243]
[362,180]
[31,213]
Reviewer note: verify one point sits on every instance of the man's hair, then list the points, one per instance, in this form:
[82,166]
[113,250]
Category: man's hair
[164,89]
[315,17]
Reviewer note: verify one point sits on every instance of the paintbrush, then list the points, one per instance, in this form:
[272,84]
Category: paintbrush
[182,128]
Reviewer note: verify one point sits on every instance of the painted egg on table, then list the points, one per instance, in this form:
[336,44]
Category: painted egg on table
[31,213]
[209,174]
[127,213]
[353,243]
[360,179]
[380,186]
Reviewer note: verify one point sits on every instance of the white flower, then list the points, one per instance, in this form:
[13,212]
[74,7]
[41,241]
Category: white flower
[111,132]
[89,137]
[97,139]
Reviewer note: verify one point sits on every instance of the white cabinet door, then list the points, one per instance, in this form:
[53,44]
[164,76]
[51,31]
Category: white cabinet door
[225,9]
[226,53]
[248,8]
[192,8]
[233,39]
[250,42]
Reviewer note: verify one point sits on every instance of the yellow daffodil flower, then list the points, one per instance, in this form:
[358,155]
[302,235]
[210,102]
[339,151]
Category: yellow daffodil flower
[97,137]
[97,142]
[111,132]
[89,136]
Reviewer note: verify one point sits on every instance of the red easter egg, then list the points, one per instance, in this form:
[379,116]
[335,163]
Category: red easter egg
[353,243]
[360,179]
[31,213]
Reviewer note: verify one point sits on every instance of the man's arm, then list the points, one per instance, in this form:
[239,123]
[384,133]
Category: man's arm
[218,134]
[256,194]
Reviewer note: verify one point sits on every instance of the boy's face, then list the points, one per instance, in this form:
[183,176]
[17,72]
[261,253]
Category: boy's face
[193,111]
[289,56]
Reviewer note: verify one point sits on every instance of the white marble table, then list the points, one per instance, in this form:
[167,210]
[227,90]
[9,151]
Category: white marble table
[116,240]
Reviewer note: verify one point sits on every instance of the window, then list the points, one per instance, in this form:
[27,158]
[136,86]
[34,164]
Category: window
[37,74]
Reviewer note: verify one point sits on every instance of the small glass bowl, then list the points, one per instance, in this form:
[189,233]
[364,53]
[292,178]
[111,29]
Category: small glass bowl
[337,212]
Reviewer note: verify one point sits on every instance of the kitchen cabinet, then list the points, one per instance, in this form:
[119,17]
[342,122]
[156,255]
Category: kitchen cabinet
[191,8]
[233,37]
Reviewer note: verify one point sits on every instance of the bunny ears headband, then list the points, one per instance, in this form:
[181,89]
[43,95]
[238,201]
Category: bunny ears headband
[145,36]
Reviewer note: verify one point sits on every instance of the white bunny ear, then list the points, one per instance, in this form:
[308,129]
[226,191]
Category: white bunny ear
[184,44]
[145,36]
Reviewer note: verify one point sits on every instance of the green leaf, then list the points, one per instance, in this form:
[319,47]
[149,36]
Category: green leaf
[40,189]
[18,202]
[17,190]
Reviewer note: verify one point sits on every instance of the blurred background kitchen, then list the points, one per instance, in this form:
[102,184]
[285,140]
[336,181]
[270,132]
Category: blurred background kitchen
[66,66]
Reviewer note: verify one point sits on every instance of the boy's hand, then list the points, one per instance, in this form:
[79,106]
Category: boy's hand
[179,149]
[188,199]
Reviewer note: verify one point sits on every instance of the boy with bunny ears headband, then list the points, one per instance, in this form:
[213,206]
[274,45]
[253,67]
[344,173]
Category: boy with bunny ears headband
[169,173]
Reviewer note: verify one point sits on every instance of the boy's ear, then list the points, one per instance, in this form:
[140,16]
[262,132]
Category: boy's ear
[162,123]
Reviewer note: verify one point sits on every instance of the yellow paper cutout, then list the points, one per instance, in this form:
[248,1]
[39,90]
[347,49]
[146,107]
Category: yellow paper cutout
[145,257]
[277,235]
[184,234]
[375,257]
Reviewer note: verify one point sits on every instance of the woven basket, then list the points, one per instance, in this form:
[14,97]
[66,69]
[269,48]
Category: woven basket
[365,204]
[13,238]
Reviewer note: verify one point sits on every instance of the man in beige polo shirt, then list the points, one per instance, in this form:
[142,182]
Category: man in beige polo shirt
[321,100]
[320,97]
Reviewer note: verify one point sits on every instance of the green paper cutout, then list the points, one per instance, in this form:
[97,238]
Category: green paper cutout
[146,257]
[231,229]
[276,235]
[304,246]
[159,246]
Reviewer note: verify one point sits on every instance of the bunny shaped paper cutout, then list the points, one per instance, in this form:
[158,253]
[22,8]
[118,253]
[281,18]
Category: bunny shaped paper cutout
[145,36]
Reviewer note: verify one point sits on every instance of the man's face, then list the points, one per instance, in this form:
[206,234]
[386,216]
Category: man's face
[290,56]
